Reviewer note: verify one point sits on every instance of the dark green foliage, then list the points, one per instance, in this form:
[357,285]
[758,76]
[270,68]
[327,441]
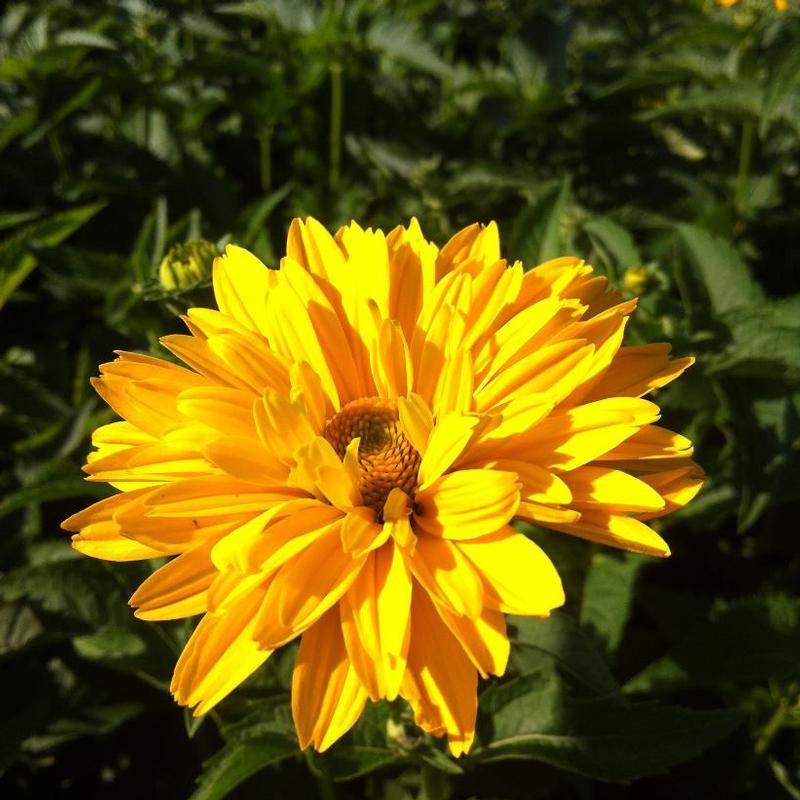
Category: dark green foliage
[655,136]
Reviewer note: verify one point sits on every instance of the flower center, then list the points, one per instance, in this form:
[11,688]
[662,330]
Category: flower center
[386,458]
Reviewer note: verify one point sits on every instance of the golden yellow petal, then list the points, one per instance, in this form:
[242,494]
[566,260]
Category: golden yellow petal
[214,496]
[311,246]
[650,442]
[440,682]
[283,426]
[537,484]
[554,370]
[327,696]
[197,353]
[219,655]
[397,519]
[467,503]
[676,486]
[483,638]
[516,573]
[375,622]
[616,530]
[251,361]
[446,442]
[150,463]
[296,526]
[223,409]
[413,265]
[104,540]
[586,432]
[454,389]
[391,361]
[416,421]
[305,587]
[178,589]
[441,568]
[241,286]
[246,459]
[361,533]
[592,486]
[475,242]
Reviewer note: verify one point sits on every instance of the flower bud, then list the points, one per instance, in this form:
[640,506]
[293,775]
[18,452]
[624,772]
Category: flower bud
[186,265]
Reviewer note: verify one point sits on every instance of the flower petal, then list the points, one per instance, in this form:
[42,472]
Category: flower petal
[327,696]
[440,682]
[516,572]
[375,622]
[219,655]
[467,503]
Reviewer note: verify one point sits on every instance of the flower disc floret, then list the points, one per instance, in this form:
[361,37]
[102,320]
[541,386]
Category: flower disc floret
[386,458]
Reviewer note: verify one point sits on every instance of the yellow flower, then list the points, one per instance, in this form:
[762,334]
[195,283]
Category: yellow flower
[345,456]
[780,5]
[636,279]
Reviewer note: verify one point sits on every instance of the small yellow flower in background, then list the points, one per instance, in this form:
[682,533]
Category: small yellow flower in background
[636,279]
[344,457]
[780,5]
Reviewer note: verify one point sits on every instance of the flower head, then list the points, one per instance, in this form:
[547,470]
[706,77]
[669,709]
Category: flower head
[344,456]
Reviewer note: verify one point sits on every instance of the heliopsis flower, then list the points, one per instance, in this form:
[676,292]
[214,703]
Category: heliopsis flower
[345,453]
[636,279]
[780,5]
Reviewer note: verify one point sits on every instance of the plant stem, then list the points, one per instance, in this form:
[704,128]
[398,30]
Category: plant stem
[265,158]
[745,159]
[433,784]
[770,730]
[335,126]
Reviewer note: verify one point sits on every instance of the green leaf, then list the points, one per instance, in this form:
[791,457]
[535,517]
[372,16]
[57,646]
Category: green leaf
[532,717]
[345,762]
[608,595]
[559,640]
[76,101]
[401,39]
[78,589]
[16,258]
[19,626]
[292,15]
[237,761]
[765,344]
[745,643]
[614,243]
[109,643]
[256,215]
[536,236]
[17,125]
[10,219]
[780,82]
[95,721]
[724,272]
[738,101]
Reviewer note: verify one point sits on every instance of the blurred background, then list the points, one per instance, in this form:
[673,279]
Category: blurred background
[658,141]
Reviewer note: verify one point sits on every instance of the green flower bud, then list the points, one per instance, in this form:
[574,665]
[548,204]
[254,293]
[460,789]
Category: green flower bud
[186,265]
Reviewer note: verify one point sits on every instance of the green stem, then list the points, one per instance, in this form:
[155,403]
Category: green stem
[745,160]
[433,784]
[265,158]
[335,126]
[770,730]
[58,152]
[325,785]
